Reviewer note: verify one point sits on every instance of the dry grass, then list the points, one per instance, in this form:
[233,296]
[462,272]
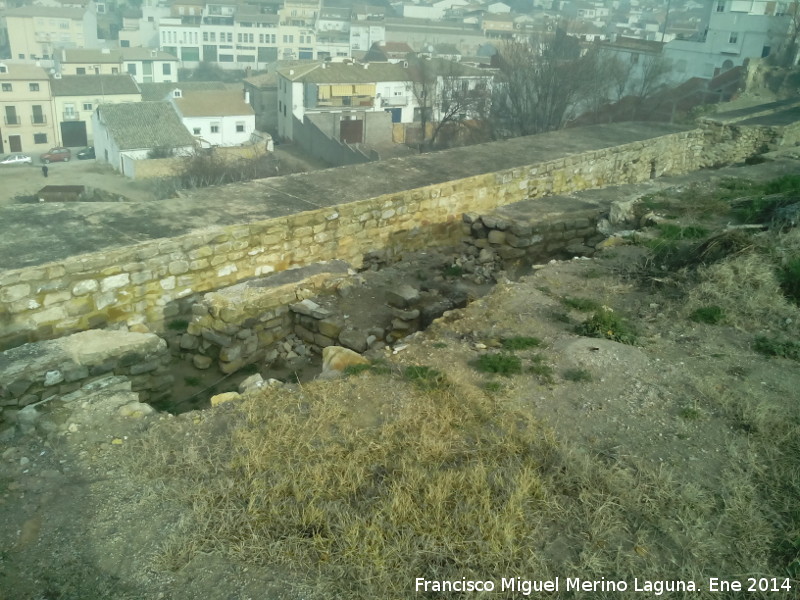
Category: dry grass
[359,486]
[746,288]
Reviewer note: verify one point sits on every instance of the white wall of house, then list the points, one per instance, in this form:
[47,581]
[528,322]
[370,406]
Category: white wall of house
[105,147]
[230,130]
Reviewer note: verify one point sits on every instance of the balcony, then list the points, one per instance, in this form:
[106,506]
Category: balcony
[70,116]
[39,119]
[394,101]
[12,120]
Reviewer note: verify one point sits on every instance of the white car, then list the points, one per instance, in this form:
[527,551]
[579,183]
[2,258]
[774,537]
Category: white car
[17,159]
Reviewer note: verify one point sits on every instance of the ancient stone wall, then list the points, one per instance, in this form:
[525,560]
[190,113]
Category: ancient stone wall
[56,369]
[142,285]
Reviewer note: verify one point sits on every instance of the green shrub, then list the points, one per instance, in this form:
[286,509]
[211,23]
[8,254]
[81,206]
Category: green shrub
[774,347]
[453,271]
[503,364]
[605,323]
[520,343]
[582,304]
[543,371]
[178,325]
[708,314]
[670,231]
[577,375]
[789,279]
[426,377]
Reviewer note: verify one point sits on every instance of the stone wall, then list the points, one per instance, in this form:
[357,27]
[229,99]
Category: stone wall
[236,325]
[140,285]
[536,230]
[55,369]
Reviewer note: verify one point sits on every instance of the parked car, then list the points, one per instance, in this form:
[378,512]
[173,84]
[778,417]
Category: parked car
[17,159]
[56,155]
[86,154]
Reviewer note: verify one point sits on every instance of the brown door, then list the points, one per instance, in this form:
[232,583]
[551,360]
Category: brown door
[14,143]
[351,132]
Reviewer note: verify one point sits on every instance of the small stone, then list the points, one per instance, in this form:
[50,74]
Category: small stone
[189,342]
[226,397]
[24,461]
[201,362]
[135,410]
[117,441]
[337,358]
[73,428]
[402,297]
[486,256]
[53,378]
[253,382]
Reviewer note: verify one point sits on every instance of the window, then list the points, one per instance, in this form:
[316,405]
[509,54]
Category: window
[205,36]
[7,87]
[240,127]
[720,6]
[734,36]
[39,138]
[132,68]
[196,130]
[124,43]
[87,106]
[213,36]
[22,56]
[230,37]
[80,71]
[64,25]
[114,71]
[215,128]
[239,38]
[34,87]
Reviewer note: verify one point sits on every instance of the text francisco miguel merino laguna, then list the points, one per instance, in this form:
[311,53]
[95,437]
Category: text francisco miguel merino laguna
[526,586]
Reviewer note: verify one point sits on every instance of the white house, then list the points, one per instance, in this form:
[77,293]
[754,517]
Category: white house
[216,117]
[125,133]
[734,31]
[352,91]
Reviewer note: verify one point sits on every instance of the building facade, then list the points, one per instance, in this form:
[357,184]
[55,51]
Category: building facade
[25,101]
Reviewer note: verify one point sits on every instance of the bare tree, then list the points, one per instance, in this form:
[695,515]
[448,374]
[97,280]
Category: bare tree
[541,84]
[790,54]
[448,96]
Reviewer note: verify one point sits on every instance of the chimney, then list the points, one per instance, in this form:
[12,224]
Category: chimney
[246,97]
[366,65]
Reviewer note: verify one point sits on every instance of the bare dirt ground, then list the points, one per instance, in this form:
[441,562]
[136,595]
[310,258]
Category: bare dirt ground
[25,180]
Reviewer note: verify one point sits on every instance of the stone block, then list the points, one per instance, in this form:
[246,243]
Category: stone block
[509,253]
[56,298]
[522,242]
[189,342]
[323,341]
[53,377]
[402,297]
[497,237]
[145,367]
[114,282]
[14,292]
[75,373]
[217,338]
[18,388]
[226,397]
[304,334]
[231,353]
[330,327]
[201,362]
[310,308]
[406,315]
[353,339]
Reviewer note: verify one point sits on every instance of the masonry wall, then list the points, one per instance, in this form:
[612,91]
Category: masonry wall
[140,285]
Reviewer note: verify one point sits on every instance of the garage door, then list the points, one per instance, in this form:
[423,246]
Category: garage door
[73,133]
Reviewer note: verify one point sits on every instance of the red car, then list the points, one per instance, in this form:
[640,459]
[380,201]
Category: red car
[56,155]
